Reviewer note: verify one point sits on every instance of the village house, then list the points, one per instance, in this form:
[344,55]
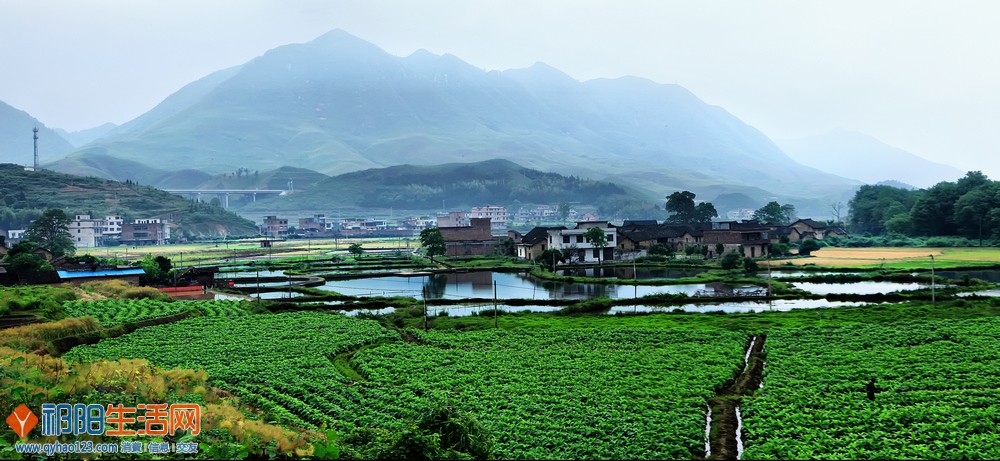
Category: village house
[535,242]
[130,275]
[12,237]
[312,225]
[579,248]
[453,219]
[498,216]
[807,228]
[274,226]
[475,239]
[88,232]
[153,231]
[751,236]
[647,233]
[85,231]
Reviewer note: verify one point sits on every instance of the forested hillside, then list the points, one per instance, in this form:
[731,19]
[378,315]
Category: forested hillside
[24,195]
[497,182]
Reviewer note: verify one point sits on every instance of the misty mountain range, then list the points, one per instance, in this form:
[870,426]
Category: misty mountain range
[859,156]
[340,104]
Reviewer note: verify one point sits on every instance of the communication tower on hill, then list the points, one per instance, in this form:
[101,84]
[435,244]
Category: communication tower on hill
[35,130]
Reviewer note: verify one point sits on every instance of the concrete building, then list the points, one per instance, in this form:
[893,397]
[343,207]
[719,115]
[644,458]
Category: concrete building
[498,216]
[580,249]
[85,231]
[314,224]
[12,237]
[454,219]
[274,226]
[473,240]
[113,227]
[535,242]
[146,232]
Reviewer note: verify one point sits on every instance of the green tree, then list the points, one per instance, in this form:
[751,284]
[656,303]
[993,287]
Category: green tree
[433,242]
[563,211]
[808,246]
[505,247]
[780,249]
[683,209]
[356,249]
[775,213]
[749,265]
[597,239]
[872,206]
[22,258]
[51,231]
[158,268]
[730,260]
[977,211]
[550,257]
[934,212]
[661,249]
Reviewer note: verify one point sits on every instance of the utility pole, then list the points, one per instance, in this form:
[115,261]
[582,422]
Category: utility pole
[494,304]
[933,296]
[35,131]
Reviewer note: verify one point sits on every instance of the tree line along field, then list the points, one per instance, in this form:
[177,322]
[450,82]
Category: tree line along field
[632,387]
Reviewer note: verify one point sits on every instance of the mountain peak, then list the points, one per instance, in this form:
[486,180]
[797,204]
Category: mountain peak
[841,150]
[341,40]
[540,72]
[422,54]
[339,35]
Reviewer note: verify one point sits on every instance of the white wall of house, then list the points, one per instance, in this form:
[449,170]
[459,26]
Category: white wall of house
[573,239]
[85,231]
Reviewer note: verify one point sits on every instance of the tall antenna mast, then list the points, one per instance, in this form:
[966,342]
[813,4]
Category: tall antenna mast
[35,130]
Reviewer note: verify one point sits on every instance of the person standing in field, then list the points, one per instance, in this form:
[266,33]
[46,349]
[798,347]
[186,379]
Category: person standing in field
[871,388]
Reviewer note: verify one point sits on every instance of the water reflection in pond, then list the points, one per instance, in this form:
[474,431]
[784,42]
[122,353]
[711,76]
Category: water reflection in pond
[508,286]
[857,288]
[794,274]
[278,295]
[987,275]
[733,307]
[628,273]
[745,306]
[250,274]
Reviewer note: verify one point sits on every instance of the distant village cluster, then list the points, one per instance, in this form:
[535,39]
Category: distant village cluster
[499,217]
[483,229]
[90,232]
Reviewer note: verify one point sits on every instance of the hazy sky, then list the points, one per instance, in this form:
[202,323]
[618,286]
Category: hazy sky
[917,75]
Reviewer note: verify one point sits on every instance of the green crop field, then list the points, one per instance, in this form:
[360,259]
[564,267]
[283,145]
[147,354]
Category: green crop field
[615,393]
[939,381]
[115,311]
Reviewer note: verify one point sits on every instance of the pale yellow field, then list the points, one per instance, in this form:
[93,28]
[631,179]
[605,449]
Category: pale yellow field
[907,258]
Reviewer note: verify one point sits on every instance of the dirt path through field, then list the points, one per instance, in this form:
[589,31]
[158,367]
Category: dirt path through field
[724,441]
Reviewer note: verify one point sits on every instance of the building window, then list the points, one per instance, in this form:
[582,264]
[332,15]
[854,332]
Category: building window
[579,239]
[565,239]
[611,237]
